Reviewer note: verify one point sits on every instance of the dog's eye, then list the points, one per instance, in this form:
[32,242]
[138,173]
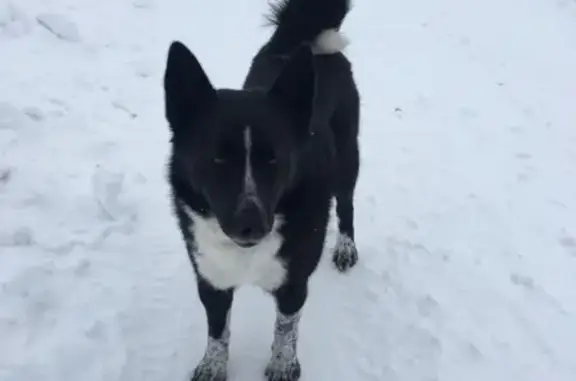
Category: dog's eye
[265,156]
[268,159]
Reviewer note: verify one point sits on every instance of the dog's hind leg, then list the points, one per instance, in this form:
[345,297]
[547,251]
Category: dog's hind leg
[345,254]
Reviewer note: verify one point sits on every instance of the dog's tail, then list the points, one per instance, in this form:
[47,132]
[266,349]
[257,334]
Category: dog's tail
[314,22]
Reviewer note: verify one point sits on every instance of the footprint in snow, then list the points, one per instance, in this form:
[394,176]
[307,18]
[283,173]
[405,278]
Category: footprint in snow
[120,106]
[523,177]
[411,224]
[12,118]
[569,244]
[143,4]
[523,156]
[427,306]
[107,188]
[516,129]
[143,68]
[33,113]
[59,26]
[468,113]
[13,22]
[5,175]
[523,281]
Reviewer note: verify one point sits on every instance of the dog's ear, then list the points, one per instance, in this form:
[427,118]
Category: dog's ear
[187,89]
[295,86]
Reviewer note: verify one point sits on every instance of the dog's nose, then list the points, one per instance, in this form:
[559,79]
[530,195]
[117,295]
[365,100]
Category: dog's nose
[251,225]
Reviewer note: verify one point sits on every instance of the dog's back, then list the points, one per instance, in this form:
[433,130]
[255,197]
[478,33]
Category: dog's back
[317,24]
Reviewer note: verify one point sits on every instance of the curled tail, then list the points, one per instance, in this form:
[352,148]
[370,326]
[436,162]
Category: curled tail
[314,22]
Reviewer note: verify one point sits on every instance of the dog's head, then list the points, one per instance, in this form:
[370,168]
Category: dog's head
[238,149]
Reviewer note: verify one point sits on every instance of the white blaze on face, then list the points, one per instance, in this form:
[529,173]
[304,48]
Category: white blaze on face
[249,183]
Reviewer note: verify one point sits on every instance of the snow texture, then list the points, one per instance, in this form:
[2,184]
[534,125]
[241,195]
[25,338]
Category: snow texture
[465,208]
[59,26]
[13,22]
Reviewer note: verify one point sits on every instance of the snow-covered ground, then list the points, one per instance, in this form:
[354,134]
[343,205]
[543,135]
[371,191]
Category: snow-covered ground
[466,206]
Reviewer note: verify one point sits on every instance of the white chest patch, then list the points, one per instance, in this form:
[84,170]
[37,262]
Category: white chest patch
[225,264]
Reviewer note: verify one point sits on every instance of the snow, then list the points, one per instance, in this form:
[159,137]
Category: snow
[59,26]
[465,209]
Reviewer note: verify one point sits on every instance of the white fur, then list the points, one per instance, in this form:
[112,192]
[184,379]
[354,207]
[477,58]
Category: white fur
[225,264]
[249,183]
[345,245]
[345,253]
[330,41]
[284,359]
[215,359]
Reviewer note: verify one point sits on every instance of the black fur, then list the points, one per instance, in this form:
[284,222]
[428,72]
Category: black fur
[303,114]
[301,21]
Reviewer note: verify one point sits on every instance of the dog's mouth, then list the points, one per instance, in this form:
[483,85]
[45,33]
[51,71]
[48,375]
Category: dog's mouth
[245,244]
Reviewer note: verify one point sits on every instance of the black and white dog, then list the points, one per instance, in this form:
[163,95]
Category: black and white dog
[254,171]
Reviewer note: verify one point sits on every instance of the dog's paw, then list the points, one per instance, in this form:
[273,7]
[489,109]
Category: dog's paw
[283,371]
[208,372]
[345,253]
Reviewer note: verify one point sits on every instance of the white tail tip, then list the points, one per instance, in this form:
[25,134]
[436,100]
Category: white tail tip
[330,41]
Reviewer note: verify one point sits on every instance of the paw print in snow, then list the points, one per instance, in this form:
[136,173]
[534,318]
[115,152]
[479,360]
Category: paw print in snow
[11,118]
[144,4]
[59,26]
[5,175]
[13,22]
[107,189]
[569,244]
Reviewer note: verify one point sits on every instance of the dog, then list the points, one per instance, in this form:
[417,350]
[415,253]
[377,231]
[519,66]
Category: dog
[254,171]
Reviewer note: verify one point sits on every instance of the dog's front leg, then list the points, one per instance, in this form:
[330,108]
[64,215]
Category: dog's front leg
[284,364]
[217,303]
